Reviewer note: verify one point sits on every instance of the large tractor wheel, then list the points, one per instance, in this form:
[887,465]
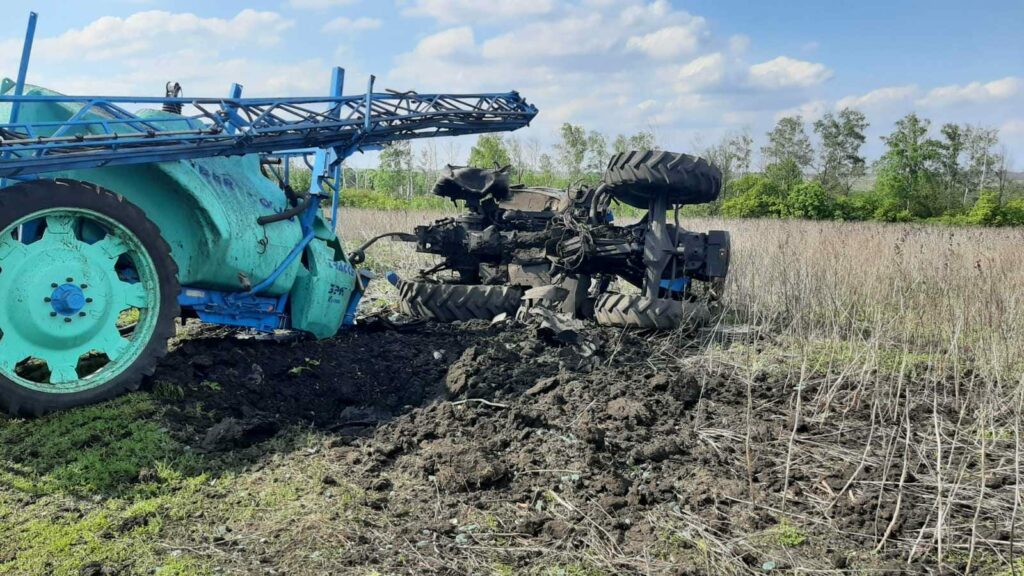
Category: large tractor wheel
[636,311]
[451,302]
[89,296]
[637,177]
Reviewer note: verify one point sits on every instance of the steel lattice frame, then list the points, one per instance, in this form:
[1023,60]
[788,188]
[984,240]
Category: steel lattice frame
[103,132]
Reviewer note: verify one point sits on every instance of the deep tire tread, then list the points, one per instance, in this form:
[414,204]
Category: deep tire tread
[456,302]
[637,176]
[635,311]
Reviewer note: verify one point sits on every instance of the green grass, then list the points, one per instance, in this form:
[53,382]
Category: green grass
[71,495]
[787,535]
[97,449]
[116,535]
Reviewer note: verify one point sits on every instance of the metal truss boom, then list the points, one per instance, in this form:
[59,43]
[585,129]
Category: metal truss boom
[103,131]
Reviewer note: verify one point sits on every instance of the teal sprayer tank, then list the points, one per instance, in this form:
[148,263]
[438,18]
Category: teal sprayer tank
[206,209]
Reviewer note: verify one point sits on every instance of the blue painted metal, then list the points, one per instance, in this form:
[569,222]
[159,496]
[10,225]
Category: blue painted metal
[364,278]
[678,285]
[261,313]
[26,54]
[109,135]
[67,299]
[19,84]
[231,110]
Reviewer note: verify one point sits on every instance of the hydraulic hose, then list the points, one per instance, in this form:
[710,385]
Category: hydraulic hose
[305,200]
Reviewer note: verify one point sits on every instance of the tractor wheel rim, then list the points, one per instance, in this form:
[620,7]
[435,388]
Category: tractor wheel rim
[65,291]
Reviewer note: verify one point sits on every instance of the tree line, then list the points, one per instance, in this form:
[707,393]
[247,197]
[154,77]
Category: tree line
[958,174]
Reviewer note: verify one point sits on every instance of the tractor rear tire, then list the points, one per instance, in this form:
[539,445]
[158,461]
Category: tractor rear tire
[635,311]
[457,302]
[637,177]
[20,396]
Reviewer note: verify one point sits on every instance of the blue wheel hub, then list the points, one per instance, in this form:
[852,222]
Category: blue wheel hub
[67,299]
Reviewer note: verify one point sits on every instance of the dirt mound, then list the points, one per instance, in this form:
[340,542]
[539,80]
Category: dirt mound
[516,443]
[358,378]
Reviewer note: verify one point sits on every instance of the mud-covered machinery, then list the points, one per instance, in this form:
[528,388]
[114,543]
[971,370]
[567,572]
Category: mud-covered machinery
[119,215]
[518,247]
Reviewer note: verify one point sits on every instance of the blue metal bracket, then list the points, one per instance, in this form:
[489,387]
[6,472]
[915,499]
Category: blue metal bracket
[261,313]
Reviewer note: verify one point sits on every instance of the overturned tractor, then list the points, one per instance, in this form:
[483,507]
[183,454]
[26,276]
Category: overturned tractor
[518,246]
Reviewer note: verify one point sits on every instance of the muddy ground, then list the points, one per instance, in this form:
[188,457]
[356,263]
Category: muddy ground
[479,449]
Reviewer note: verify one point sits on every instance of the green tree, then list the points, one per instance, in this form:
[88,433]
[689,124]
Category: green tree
[842,136]
[788,141]
[597,153]
[643,140]
[489,152]
[572,150]
[982,161]
[785,175]
[951,149]
[731,155]
[740,149]
[908,170]
[395,173]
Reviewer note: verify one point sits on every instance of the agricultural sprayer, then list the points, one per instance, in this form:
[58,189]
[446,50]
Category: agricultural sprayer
[116,219]
[119,215]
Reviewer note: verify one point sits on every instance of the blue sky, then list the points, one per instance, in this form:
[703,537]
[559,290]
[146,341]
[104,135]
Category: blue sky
[691,71]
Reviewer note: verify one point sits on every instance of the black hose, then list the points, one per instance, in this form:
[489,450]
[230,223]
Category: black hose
[305,201]
[358,256]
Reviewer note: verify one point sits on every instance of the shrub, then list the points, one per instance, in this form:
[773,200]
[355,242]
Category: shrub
[859,206]
[757,197]
[986,210]
[809,200]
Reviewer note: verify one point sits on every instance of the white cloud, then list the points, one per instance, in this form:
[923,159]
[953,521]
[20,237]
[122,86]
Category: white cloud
[879,97]
[343,24]
[671,41]
[112,37]
[653,14]
[702,72]
[319,4]
[973,93]
[446,43]
[738,44]
[809,111]
[455,11]
[786,72]
[570,36]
